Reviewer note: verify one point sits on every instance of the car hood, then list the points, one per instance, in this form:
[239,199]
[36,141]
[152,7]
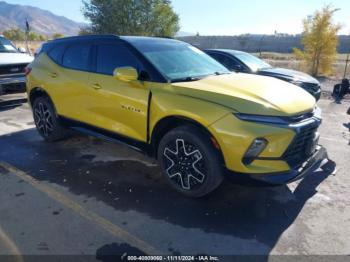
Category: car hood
[250,94]
[288,74]
[15,58]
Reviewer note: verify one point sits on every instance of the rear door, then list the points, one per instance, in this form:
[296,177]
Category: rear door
[115,105]
[71,78]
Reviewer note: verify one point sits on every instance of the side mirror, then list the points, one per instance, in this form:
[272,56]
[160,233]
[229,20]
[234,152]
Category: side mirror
[125,74]
[22,50]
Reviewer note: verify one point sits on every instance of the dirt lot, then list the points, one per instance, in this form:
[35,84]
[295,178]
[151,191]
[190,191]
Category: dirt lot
[87,198]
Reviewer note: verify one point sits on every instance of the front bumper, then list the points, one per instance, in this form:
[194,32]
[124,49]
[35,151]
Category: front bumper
[289,146]
[297,173]
[15,83]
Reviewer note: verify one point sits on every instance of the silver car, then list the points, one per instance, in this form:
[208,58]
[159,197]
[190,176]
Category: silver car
[12,67]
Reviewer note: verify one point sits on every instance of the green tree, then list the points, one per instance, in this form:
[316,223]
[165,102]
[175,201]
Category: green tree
[33,36]
[42,38]
[85,31]
[17,34]
[14,34]
[57,35]
[320,42]
[131,17]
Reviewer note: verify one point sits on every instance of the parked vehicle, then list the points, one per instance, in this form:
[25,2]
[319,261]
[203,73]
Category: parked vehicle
[246,63]
[12,67]
[340,90]
[176,103]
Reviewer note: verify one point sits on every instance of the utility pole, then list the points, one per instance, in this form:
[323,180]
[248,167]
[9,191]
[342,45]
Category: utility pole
[27,36]
[260,44]
[346,64]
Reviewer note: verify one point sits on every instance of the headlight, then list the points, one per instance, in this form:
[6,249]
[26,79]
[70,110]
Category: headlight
[263,119]
[255,149]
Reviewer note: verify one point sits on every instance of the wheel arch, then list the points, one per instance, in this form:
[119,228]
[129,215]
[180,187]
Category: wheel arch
[166,124]
[39,92]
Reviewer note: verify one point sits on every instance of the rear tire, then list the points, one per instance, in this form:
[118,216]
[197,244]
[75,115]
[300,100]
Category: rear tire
[46,120]
[190,162]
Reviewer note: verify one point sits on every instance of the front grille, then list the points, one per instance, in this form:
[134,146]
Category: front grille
[311,87]
[12,69]
[301,147]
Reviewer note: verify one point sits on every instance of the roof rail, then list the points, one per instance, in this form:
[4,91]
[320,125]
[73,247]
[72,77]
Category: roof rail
[85,37]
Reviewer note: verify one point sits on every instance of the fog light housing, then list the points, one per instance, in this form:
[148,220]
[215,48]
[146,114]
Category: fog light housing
[255,149]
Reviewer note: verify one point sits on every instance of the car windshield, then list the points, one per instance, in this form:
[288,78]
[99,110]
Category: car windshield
[254,63]
[6,46]
[179,61]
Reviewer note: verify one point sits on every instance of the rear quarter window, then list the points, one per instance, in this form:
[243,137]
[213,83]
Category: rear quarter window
[56,54]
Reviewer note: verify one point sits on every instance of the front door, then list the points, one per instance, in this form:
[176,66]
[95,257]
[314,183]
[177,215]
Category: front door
[115,105]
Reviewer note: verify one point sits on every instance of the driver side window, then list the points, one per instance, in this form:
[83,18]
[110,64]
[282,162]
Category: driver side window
[229,63]
[111,56]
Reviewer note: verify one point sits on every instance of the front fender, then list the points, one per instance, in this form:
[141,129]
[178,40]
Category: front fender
[165,105]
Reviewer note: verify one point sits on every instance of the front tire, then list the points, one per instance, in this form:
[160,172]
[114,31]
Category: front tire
[46,121]
[190,162]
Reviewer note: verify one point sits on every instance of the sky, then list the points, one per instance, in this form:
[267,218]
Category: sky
[225,17]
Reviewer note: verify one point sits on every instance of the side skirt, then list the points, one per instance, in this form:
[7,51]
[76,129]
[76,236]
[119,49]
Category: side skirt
[107,135]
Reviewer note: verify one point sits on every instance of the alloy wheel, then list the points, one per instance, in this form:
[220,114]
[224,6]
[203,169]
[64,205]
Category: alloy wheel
[43,119]
[184,164]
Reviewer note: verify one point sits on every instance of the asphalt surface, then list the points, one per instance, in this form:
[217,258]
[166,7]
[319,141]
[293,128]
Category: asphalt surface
[84,196]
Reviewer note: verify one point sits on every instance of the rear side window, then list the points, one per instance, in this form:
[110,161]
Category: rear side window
[56,54]
[77,57]
[226,61]
[111,56]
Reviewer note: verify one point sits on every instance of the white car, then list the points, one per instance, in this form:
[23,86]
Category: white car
[12,67]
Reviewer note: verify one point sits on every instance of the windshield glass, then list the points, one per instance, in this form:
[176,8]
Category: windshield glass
[254,63]
[179,61]
[7,46]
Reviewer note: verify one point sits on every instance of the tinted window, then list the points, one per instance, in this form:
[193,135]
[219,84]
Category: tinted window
[111,56]
[77,57]
[252,62]
[226,61]
[6,46]
[56,53]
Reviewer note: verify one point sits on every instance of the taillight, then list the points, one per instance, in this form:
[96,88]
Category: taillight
[27,70]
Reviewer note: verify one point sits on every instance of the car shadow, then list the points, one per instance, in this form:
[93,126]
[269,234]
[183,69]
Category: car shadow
[261,214]
[6,105]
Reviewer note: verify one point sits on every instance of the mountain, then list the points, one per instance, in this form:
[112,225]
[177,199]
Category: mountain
[41,21]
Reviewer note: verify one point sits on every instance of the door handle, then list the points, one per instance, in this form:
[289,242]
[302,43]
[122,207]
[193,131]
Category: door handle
[53,75]
[96,86]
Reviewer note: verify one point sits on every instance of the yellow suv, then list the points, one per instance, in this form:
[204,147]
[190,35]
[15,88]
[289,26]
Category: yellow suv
[171,100]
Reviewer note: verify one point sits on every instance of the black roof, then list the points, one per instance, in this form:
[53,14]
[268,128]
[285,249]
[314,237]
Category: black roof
[146,39]
[83,37]
[131,39]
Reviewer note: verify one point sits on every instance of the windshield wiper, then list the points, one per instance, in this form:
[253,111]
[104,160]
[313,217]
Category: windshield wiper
[221,73]
[196,78]
[185,79]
